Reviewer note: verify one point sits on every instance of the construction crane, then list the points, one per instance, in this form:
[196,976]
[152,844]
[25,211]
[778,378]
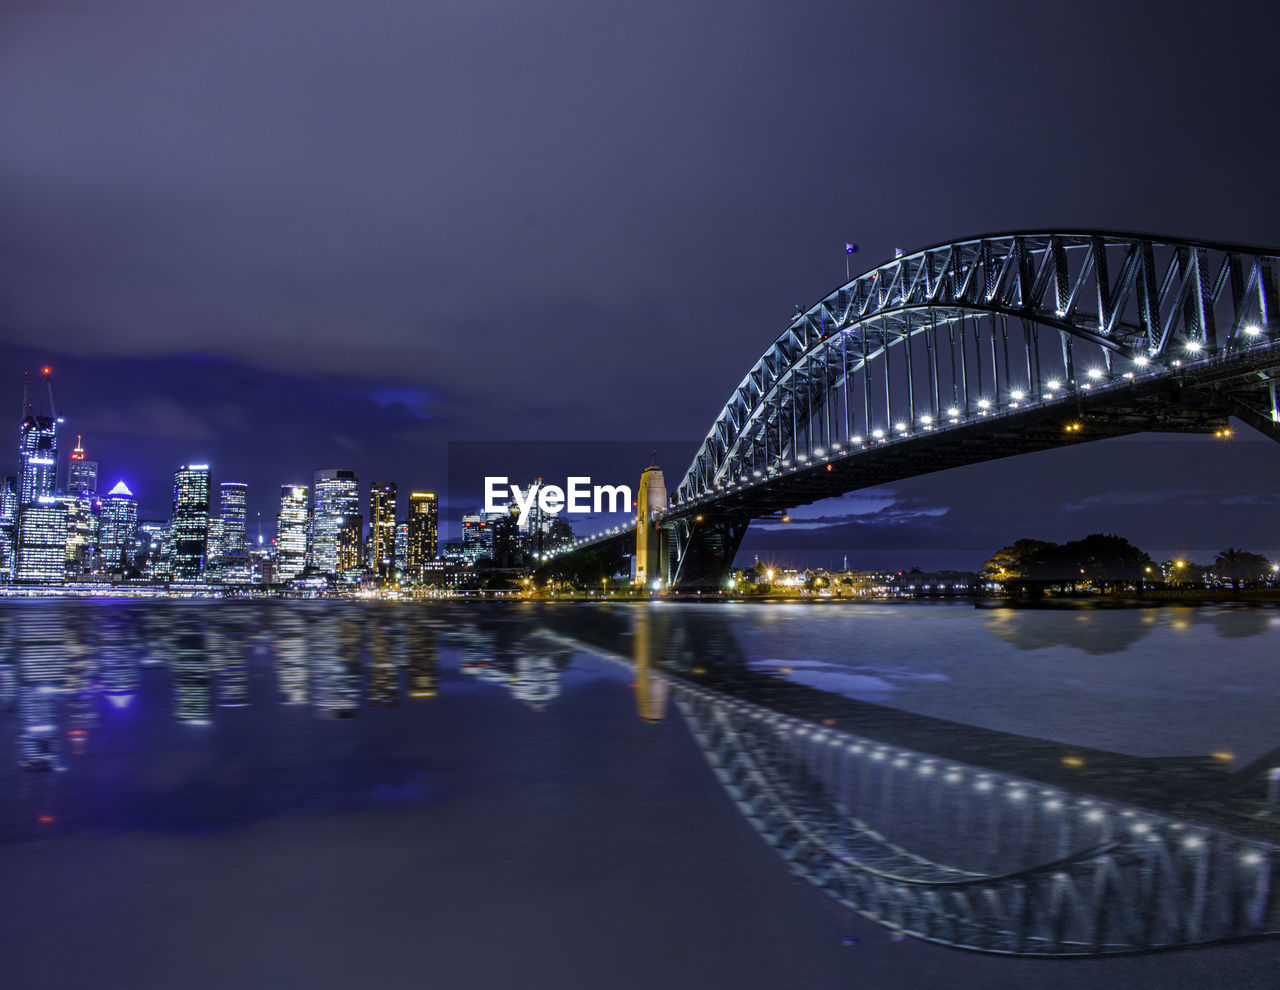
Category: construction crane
[48,381]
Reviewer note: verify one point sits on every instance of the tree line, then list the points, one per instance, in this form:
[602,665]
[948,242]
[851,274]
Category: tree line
[1110,562]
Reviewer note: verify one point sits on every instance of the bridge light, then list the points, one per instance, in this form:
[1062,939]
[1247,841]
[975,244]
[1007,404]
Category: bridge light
[1252,858]
[1142,360]
[1018,394]
[1252,330]
[926,419]
[1192,842]
[819,452]
[953,412]
[1194,347]
[1096,373]
[877,433]
[857,440]
[1054,384]
[900,427]
[984,403]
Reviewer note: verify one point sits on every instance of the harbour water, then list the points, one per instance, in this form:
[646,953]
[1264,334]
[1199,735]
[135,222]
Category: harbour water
[469,794]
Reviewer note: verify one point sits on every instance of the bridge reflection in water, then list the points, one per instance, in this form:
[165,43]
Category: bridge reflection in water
[952,833]
[972,856]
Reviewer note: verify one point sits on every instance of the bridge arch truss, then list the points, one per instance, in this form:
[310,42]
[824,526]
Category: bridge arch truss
[972,328]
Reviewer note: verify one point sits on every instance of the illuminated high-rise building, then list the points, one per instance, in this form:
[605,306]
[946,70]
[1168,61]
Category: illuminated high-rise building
[382,528]
[8,526]
[477,538]
[236,566]
[153,549]
[335,521]
[402,544]
[189,523]
[213,549]
[423,533]
[291,533]
[37,459]
[82,533]
[234,508]
[42,542]
[82,474]
[117,529]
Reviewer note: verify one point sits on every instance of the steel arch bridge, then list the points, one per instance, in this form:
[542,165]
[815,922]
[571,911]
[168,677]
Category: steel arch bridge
[974,350]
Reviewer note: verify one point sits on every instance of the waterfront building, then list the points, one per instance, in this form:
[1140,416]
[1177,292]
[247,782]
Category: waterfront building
[422,533]
[382,528]
[189,523]
[291,533]
[213,551]
[402,545]
[233,497]
[235,565]
[42,542]
[153,549]
[935,584]
[82,532]
[508,544]
[477,538]
[452,552]
[8,526]
[37,459]
[117,529]
[82,474]
[336,526]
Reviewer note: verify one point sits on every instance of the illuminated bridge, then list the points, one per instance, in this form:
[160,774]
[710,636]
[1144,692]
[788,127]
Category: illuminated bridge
[970,837]
[967,352]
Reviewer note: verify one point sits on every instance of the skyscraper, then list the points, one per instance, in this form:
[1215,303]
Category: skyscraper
[42,542]
[423,533]
[382,527]
[82,532]
[335,521]
[234,497]
[82,474]
[213,549]
[37,459]
[8,526]
[291,533]
[117,529]
[189,522]
[477,538]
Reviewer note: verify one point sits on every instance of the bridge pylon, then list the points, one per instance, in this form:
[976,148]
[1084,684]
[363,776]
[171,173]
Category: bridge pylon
[652,542]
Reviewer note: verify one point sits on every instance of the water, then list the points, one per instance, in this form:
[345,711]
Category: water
[212,794]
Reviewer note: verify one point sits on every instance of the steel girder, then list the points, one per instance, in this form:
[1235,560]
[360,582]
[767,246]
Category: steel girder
[1136,302]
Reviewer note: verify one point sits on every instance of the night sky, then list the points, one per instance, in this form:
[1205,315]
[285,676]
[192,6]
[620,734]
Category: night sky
[290,234]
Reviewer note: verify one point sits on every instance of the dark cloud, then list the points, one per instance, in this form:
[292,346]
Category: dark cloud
[399,224]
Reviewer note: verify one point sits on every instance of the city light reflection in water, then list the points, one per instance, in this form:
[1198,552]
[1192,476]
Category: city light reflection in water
[204,718]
